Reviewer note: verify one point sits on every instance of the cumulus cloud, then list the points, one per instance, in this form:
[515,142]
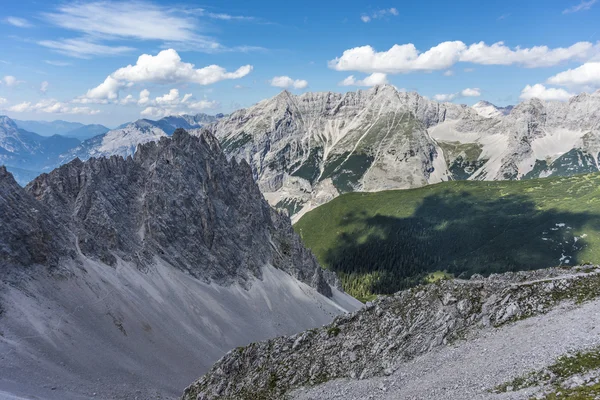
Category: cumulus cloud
[10,81]
[468,92]
[44,87]
[587,74]
[541,92]
[386,12]
[144,97]
[286,82]
[406,58]
[51,106]
[537,56]
[18,22]
[164,68]
[172,103]
[3,101]
[471,92]
[167,67]
[583,6]
[376,78]
[127,100]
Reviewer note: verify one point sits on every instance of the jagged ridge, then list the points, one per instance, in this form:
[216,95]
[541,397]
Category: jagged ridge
[373,340]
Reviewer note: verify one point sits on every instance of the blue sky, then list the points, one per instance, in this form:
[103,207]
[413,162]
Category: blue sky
[69,60]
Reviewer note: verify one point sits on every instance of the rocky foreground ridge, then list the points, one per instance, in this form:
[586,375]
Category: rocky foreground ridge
[378,339]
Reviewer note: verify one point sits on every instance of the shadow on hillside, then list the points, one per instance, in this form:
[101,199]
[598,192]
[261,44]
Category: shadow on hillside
[459,233]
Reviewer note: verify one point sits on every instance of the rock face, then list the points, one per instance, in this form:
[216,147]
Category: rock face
[152,266]
[305,150]
[124,202]
[536,139]
[377,339]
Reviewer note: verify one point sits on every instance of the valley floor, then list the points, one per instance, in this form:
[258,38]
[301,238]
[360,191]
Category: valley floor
[469,369]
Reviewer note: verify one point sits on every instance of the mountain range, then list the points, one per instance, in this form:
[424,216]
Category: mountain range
[307,149]
[128,277]
[64,128]
[28,154]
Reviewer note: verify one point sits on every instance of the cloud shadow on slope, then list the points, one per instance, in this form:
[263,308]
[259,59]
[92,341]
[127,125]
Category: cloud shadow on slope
[459,233]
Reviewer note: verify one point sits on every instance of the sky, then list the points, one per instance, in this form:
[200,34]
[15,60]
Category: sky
[111,62]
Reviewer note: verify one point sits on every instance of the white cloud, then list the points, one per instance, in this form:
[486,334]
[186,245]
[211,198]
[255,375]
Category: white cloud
[406,58]
[3,101]
[445,97]
[448,73]
[171,98]
[468,92]
[471,92]
[583,6]
[126,20]
[18,22]
[51,106]
[398,59]
[164,68]
[107,90]
[172,104]
[376,78]
[541,92]
[144,97]
[222,16]
[83,48]
[587,74]
[129,99]
[367,17]
[57,63]
[537,56]
[44,87]
[167,67]
[287,82]
[21,107]
[10,81]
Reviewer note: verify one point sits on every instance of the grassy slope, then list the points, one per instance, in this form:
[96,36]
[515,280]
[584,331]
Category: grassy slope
[386,241]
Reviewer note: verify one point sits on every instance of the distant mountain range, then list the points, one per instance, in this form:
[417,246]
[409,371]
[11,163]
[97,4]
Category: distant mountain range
[27,154]
[305,150]
[64,128]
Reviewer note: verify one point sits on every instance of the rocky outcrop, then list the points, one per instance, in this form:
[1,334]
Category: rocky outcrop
[179,199]
[30,235]
[376,339]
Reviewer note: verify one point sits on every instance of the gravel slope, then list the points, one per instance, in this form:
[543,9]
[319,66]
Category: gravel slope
[467,369]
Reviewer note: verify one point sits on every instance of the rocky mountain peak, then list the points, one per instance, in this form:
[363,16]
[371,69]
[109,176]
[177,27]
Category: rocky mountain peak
[178,199]
[7,125]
